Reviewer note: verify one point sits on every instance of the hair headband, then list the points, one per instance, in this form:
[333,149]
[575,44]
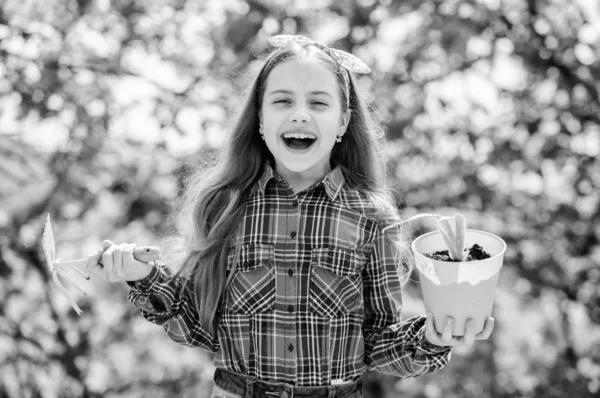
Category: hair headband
[344,59]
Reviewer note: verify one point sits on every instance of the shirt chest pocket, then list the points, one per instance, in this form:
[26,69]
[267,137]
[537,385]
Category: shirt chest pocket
[336,286]
[252,288]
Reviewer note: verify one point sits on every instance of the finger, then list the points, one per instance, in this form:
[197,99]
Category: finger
[487,329]
[105,245]
[107,261]
[430,333]
[469,336]
[117,263]
[92,266]
[93,258]
[127,265]
[447,333]
[127,260]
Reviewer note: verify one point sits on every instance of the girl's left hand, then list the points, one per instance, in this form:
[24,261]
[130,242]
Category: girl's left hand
[445,339]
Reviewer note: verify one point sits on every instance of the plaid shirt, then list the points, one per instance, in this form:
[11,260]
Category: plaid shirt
[316,296]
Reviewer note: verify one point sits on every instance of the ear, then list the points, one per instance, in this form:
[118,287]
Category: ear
[345,120]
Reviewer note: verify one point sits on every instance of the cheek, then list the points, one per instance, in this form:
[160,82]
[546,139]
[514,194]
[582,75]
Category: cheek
[270,119]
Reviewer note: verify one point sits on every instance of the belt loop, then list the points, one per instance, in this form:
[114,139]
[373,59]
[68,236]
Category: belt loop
[331,390]
[249,387]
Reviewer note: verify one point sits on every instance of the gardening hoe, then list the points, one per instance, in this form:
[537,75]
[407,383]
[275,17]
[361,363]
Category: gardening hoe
[143,254]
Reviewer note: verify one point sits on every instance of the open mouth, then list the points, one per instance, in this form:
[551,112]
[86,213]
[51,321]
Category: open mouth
[299,141]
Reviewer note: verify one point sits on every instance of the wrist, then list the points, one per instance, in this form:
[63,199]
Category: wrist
[433,348]
[142,272]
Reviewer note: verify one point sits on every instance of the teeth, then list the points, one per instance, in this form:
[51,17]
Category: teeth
[300,135]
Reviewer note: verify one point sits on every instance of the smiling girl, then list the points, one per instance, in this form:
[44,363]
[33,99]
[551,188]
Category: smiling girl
[288,277]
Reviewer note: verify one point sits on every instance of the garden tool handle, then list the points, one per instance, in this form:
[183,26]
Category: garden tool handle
[146,254]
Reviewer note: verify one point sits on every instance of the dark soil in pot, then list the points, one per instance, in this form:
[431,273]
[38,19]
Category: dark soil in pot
[476,253]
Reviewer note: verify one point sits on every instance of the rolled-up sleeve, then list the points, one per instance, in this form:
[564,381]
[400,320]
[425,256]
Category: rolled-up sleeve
[392,345]
[164,300]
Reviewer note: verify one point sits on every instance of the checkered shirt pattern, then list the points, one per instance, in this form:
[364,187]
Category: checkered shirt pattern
[316,297]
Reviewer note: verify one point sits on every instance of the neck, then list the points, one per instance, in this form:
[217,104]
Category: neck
[299,181]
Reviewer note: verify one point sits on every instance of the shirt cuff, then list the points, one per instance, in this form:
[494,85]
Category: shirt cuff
[431,348]
[427,346]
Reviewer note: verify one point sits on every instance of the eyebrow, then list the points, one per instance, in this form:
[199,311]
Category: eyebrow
[291,92]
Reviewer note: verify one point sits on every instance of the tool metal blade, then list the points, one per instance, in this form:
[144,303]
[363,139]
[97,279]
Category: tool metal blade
[48,244]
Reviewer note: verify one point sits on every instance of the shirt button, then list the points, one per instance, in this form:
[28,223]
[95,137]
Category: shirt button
[290,308]
[293,234]
[290,272]
[291,347]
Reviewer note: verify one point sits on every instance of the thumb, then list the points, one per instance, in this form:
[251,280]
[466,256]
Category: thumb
[106,244]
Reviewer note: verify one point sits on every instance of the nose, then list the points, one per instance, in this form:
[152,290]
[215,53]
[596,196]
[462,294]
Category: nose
[300,115]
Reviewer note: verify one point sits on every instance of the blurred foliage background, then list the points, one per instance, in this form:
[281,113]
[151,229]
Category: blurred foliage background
[491,108]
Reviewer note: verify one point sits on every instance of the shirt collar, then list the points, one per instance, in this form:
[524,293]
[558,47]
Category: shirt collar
[332,182]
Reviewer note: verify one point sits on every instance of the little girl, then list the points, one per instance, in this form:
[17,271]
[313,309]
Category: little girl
[288,277]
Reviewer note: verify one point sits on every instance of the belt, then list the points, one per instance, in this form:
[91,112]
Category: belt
[251,387]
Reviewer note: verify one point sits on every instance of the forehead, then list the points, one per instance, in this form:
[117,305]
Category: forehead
[302,75]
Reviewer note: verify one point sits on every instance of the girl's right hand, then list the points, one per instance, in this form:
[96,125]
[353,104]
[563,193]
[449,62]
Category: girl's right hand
[118,264]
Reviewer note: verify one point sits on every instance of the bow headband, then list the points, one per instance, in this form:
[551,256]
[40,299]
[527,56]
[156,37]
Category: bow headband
[347,60]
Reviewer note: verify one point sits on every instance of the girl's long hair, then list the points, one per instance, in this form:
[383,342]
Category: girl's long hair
[213,201]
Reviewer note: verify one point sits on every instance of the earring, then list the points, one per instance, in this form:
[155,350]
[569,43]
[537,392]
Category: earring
[338,138]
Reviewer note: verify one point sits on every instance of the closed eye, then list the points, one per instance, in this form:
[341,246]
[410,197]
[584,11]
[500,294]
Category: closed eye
[287,101]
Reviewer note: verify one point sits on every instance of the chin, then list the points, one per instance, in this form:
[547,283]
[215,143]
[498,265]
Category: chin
[301,164]
[298,166]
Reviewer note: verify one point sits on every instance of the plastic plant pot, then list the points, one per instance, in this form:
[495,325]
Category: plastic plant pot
[460,289]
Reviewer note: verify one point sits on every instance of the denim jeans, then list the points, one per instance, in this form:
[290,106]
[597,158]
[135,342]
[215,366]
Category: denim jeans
[234,385]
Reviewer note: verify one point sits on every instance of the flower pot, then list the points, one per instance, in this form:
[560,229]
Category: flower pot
[461,290]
